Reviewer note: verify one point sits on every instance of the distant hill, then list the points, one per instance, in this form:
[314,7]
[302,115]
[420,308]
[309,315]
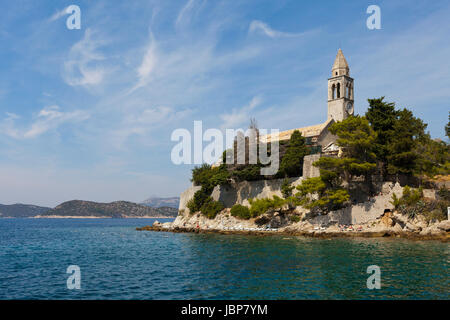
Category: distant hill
[21,210]
[118,209]
[156,202]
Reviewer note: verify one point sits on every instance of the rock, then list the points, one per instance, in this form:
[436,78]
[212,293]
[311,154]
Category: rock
[397,228]
[412,228]
[387,219]
[444,225]
[156,223]
[432,230]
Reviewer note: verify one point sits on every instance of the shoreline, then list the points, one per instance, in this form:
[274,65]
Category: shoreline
[86,217]
[310,234]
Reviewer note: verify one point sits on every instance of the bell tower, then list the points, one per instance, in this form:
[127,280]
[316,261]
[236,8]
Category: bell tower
[340,90]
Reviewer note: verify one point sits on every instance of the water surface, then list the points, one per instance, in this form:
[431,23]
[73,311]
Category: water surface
[118,262]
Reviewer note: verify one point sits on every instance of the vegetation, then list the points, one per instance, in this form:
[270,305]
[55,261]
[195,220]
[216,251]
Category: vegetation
[261,206]
[211,208]
[240,211]
[286,188]
[292,162]
[386,142]
[412,204]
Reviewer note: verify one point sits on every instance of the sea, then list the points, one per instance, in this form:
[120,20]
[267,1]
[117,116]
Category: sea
[114,261]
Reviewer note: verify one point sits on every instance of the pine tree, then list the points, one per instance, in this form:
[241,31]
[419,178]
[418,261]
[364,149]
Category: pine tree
[408,132]
[292,162]
[382,117]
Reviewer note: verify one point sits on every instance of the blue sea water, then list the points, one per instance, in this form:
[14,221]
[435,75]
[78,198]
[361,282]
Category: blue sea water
[118,262]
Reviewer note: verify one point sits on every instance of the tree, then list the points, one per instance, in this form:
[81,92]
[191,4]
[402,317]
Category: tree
[356,139]
[382,117]
[292,162]
[447,127]
[408,132]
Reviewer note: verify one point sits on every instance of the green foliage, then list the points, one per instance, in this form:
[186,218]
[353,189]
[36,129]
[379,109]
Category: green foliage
[433,157]
[402,156]
[286,188]
[356,138]
[211,208]
[200,197]
[314,194]
[447,127]
[382,117]
[444,193]
[294,218]
[248,173]
[292,162]
[240,211]
[261,206]
[207,175]
[411,202]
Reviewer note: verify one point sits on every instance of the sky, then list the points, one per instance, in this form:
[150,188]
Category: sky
[88,113]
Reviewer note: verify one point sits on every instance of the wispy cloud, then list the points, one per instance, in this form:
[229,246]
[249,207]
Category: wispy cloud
[48,118]
[58,15]
[238,117]
[81,68]
[145,122]
[257,26]
[148,63]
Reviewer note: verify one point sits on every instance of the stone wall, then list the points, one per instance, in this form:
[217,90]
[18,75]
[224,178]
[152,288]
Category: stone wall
[185,196]
[309,171]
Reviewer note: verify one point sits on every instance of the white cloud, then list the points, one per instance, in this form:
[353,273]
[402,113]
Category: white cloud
[81,68]
[148,63]
[47,119]
[183,15]
[58,14]
[262,27]
[145,122]
[239,116]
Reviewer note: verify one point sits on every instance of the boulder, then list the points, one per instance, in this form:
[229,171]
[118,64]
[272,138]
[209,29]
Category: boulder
[157,223]
[444,225]
[387,220]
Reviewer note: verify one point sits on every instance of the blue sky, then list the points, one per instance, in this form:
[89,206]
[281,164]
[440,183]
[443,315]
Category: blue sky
[87,114]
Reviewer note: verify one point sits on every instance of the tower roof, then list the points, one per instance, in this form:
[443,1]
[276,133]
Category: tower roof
[340,64]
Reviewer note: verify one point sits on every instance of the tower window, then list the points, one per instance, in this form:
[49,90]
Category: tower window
[333,91]
[338,91]
[336,73]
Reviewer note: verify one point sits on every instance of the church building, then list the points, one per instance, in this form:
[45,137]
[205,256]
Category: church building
[340,106]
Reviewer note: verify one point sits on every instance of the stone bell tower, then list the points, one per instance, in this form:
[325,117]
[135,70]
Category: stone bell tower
[340,90]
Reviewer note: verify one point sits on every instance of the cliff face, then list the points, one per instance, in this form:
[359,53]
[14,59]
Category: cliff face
[118,209]
[240,193]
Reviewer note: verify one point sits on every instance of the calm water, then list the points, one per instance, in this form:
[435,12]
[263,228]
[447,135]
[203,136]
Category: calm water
[118,262]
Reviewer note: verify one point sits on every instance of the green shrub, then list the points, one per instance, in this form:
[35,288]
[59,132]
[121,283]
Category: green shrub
[294,218]
[286,188]
[211,208]
[261,206]
[248,173]
[314,195]
[240,211]
[199,198]
[205,175]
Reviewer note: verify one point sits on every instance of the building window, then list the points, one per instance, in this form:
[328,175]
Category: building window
[338,91]
[333,89]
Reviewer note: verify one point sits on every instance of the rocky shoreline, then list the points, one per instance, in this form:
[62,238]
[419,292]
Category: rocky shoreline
[375,229]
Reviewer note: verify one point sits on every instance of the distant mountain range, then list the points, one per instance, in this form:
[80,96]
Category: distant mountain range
[156,202]
[21,210]
[79,208]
